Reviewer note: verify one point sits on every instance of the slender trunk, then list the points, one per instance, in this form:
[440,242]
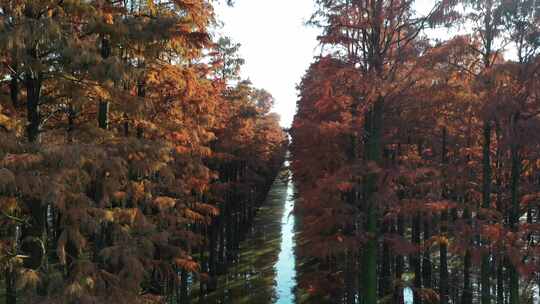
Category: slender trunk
[229,235]
[467,286]
[416,264]
[351,198]
[33,95]
[443,243]
[203,267]
[466,297]
[454,289]
[374,149]
[400,265]
[528,238]
[34,238]
[14,89]
[498,167]
[426,261]
[350,293]
[238,226]
[140,131]
[105,47]
[485,279]
[212,259]
[141,92]
[500,281]
[72,115]
[103,115]
[126,125]
[221,247]
[72,255]
[103,108]
[443,259]
[486,204]
[11,291]
[10,273]
[10,269]
[184,292]
[385,279]
[537,286]
[514,213]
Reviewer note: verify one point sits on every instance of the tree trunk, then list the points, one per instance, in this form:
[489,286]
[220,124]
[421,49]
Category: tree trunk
[14,89]
[467,286]
[400,265]
[416,264]
[105,47]
[350,294]
[443,259]
[72,115]
[33,237]
[514,213]
[212,259]
[203,268]
[467,264]
[385,279]
[486,204]
[500,281]
[426,261]
[126,125]
[221,247]
[374,149]
[11,290]
[103,115]
[141,92]
[184,292]
[140,131]
[453,286]
[443,243]
[229,234]
[33,95]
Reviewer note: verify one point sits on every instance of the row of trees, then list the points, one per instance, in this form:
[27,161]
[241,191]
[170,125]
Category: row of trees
[130,161]
[416,160]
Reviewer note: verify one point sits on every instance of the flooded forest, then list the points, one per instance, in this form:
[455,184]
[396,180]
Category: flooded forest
[140,163]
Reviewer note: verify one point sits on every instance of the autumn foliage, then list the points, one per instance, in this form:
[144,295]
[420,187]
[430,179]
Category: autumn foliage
[416,159]
[129,164]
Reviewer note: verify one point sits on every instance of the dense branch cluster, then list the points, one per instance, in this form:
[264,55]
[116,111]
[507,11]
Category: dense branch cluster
[416,160]
[129,165]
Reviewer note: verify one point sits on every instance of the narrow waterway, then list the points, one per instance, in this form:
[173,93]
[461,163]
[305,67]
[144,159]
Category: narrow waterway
[285,267]
[265,270]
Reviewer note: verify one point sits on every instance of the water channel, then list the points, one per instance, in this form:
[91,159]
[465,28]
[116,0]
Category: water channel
[285,266]
[265,270]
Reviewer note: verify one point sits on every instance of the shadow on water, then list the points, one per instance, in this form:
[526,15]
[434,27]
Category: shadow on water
[265,268]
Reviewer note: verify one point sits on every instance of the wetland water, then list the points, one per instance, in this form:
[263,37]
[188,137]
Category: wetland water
[285,266]
[265,270]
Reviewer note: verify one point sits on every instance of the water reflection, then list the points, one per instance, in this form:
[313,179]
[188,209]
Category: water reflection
[407,295]
[285,266]
[264,271]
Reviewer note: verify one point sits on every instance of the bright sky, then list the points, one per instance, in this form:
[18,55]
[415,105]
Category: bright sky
[278,48]
[276,44]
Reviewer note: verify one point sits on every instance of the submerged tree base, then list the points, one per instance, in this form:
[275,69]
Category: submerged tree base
[252,278]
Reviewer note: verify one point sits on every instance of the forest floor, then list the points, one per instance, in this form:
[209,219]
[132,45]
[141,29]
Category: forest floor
[253,278]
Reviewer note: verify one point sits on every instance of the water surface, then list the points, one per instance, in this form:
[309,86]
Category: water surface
[265,269]
[285,267]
